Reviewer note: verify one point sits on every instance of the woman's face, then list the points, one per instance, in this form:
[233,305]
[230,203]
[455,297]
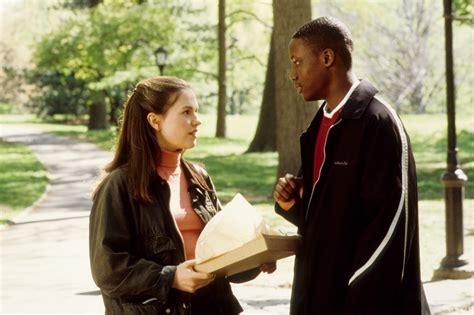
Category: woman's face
[178,127]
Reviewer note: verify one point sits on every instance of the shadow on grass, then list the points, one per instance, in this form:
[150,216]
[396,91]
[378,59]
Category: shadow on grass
[104,139]
[252,175]
[430,154]
[430,186]
[437,143]
[22,178]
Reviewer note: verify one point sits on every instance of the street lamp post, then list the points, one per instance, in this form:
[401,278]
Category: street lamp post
[161,54]
[453,265]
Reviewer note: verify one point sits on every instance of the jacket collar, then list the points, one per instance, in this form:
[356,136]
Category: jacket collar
[358,101]
[188,174]
[354,107]
[189,170]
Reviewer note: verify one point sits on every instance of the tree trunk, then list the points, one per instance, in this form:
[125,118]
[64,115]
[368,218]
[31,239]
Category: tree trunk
[265,136]
[98,114]
[292,113]
[222,91]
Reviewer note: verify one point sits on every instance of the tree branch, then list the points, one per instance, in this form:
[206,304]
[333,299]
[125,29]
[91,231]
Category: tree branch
[210,74]
[458,18]
[248,13]
[248,57]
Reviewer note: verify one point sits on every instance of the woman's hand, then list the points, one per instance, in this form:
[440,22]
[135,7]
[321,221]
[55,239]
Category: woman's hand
[268,267]
[188,280]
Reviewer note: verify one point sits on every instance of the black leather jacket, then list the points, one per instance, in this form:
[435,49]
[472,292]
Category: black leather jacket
[134,250]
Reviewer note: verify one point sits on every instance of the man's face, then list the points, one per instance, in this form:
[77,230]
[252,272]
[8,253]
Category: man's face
[308,71]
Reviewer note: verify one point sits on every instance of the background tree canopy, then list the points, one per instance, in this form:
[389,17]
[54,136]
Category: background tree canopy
[76,57]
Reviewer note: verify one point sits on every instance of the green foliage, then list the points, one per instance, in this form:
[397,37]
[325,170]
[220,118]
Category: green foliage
[23,178]
[110,47]
[62,93]
[6,108]
[98,44]
[10,76]
[247,55]
[464,9]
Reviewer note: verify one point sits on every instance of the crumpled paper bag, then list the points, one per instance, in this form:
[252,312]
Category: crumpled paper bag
[236,224]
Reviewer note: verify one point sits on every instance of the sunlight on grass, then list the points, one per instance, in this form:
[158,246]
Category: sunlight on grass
[428,137]
[215,146]
[17,119]
[23,179]
[238,126]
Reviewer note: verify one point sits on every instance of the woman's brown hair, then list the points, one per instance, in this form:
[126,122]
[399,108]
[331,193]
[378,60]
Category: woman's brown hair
[137,148]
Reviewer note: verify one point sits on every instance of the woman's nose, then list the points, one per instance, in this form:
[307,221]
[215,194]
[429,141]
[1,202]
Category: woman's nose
[197,121]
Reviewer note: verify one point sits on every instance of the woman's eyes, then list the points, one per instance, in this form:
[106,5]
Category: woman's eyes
[188,112]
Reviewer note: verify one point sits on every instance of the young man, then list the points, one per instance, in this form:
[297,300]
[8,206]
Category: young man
[355,201]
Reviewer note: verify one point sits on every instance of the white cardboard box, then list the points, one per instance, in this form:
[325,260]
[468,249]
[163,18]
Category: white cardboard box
[264,249]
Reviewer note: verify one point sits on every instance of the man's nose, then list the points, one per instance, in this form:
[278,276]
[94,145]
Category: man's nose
[293,74]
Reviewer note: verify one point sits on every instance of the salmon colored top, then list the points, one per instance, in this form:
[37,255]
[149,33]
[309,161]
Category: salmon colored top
[189,223]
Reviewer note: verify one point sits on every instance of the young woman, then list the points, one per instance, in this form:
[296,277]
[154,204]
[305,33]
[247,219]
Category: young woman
[149,210]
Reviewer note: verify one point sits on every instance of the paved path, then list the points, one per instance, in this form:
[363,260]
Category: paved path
[44,265]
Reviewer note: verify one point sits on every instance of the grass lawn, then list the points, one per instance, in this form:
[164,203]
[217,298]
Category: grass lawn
[23,179]
[428,137]
[253,175]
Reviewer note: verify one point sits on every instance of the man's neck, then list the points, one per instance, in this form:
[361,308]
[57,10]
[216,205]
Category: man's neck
[339,90]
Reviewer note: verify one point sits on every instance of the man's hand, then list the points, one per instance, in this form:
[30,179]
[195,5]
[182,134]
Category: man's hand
[286,189]
[188,280]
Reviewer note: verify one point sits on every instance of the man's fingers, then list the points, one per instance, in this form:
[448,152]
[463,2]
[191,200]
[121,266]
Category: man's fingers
[290,179]
[284,190]
[281,194]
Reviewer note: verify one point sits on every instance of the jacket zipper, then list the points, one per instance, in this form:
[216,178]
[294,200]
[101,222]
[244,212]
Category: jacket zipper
[322,165]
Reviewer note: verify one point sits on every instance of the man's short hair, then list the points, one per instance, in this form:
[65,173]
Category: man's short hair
[328,32]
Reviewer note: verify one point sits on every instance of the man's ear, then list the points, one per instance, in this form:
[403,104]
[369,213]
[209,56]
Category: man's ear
[327,56]
[153,120]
